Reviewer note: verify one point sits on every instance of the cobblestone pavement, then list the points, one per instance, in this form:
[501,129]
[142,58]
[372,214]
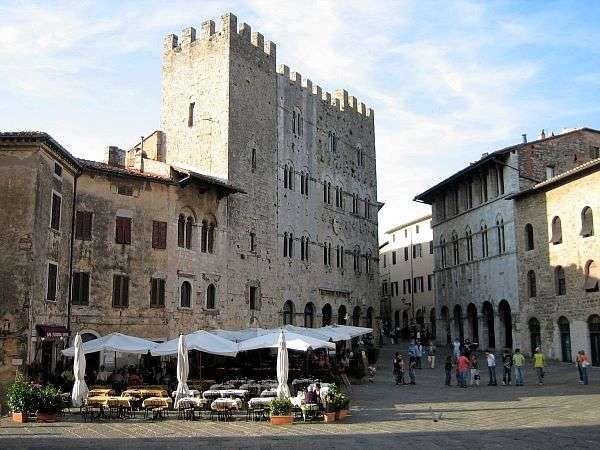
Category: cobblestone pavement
[561,414]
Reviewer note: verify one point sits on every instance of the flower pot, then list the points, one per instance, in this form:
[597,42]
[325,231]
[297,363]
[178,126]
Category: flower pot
[341,414]
[46,417]
[282,420]
[19,417]
[329,417]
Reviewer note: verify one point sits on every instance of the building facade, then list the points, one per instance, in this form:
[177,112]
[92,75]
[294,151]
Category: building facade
[407,279]
[255,204]
[476,270]
[559,264]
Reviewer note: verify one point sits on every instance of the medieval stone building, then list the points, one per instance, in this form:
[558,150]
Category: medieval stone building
[255,204]
[475,240]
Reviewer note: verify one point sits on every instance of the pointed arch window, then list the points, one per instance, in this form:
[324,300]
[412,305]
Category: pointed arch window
[181,231]
[455,249]
[531,284]
[592,276]
[288,313]
[556,231]
[469,242]
[211,294]
[529,244]
[560,280]
[485,250]
[185,300]
[587,222]
[189,225]
[500,232]
[443,252]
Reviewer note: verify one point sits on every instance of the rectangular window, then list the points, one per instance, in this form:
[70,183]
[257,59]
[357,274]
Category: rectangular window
[159,234]
[253,297]
[120,297]
[549,172]
[52,282]
[595,152]
[80,294]
[124,189]
[384,261]
[157,292]
[393,258]
[83,225]
[405,253]
[484,188]
[58,170]
[395,288]
[430,282]
[417,229]
[501,179]
[191,114]
[252,242]
[431,247]
[253,159]
[123,230]
[55,213]
[420,285]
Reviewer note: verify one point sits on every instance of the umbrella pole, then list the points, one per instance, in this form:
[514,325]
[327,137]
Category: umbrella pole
[200,368]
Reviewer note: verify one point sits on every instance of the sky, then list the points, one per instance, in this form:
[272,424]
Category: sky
[448,80]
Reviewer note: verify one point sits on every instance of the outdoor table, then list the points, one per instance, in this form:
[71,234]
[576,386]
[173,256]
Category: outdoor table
[260,401]
[188,405]
[100,392]
[269,393]
[157,405]
[146,393]
[193,393]
[211,394]
[224,406]
[239,393]
[103,401]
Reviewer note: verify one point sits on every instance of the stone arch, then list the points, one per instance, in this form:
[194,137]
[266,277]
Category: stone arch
[505,325]
[369,317]
[457,316]
[288,313]
[342,312]
[488,334]
[309,315]
[564,332]
[326,314]
[473,322]
[356,316]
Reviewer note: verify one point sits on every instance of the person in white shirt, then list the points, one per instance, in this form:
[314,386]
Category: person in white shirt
[491,363]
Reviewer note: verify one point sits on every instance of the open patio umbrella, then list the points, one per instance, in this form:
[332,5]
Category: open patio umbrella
[183,369]
[80,389]
[351,330]
[115,342]
[200,340]
[294,341]
[283,390]
[239,335]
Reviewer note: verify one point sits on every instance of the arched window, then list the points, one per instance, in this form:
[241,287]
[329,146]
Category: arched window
[560,280]
[285,243]
[356,316]
[356,260]
[291,245]
[211,237]
[309,315]
[469,242]
[368,262]
[285,177]
[332,141]
[556,231]
[181,231]
[594,330]
[369,317]
[564,329]
[204,237]
[342,315]
[302,183]
[185,299]
[210,296]
[340,256]
[485,250]
[592,275]
[326,313]
[253,159]
[529,245]
[500,231]
[535,334]
[531,284]
[455,249]
[587,222]
[443,252]
[288,313]
[302,247]
[188,231]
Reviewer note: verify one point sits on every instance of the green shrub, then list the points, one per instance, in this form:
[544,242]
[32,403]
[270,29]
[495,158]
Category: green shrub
[49,400]
[21,395]
[336,399]
[281,407]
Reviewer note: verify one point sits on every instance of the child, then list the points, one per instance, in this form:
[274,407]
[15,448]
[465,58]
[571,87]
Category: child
[448,369]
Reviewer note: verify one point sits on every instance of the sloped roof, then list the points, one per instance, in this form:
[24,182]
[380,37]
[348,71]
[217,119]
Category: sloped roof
[39,137]
[98,166]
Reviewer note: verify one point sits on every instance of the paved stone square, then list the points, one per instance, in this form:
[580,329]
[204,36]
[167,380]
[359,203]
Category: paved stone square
[560,414]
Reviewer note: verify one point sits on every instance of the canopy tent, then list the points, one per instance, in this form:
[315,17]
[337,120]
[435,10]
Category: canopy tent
[351,330]
[283,390]
[80,389]
[200,340]
[115,342]
[294,341]
[239,335]
[317,333]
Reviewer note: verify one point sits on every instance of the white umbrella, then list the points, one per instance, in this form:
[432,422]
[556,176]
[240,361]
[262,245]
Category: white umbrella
[351,330]
[115,342]
[336,333]
[80,389]
[283,390]
[200,340]
[239,335]
[294,341]
[183,369]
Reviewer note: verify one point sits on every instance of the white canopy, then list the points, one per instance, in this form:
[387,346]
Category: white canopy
[239,335]
[283,390]
[183,369]
[293,341]
[353,331]
[80,389]
[200,340]
[317,333]
[115,342]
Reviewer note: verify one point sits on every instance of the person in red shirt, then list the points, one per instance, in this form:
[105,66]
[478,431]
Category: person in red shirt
[462,364]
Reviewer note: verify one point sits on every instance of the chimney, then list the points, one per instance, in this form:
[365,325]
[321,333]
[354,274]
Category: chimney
[114,156]
[542,134]
[524,136]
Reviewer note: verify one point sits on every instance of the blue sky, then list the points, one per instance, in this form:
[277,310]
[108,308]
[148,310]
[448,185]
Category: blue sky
[448,80]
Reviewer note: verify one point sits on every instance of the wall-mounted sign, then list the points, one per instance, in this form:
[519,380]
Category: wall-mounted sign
[17,362]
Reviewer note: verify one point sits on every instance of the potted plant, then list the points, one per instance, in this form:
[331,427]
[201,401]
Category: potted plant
[21,398]
[49,403]
[343,405]
[281,411]
[332,403]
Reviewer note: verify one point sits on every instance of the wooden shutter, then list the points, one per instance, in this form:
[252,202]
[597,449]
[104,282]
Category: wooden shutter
[55,221]
[79,225]
[76,291]
[52,276]
[153,291]
[124,291]
[84,288]
[161,292]
[159,234]
[123,230]
[116,290]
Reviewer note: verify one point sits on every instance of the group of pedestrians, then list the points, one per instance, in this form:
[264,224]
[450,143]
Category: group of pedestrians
[416,354]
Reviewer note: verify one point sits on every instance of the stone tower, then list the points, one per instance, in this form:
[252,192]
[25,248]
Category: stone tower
[218,112]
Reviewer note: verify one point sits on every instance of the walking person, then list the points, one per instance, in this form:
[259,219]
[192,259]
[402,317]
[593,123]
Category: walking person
[448,370]
[462,364]
[538,362]
[474,365]
[456,348]
[578,364]
[396,366]
[585,364]
[412,363]
[506,368]
[431,355]
[419,353]
[491,364]
[518,362]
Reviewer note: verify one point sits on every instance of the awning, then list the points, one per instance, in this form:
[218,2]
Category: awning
[52,331]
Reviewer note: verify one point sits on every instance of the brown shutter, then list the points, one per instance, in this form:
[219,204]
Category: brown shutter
[87,225]
[55,222]
[116,290]
[52,275]
[118,231]
[85,288]
[125,291]
[155,237]
[153,292]
[76,291]
[127,225]
[161,292]
[78,224]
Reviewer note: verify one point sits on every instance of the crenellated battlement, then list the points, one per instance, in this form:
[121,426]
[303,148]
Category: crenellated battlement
[228,28]
[339,100]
